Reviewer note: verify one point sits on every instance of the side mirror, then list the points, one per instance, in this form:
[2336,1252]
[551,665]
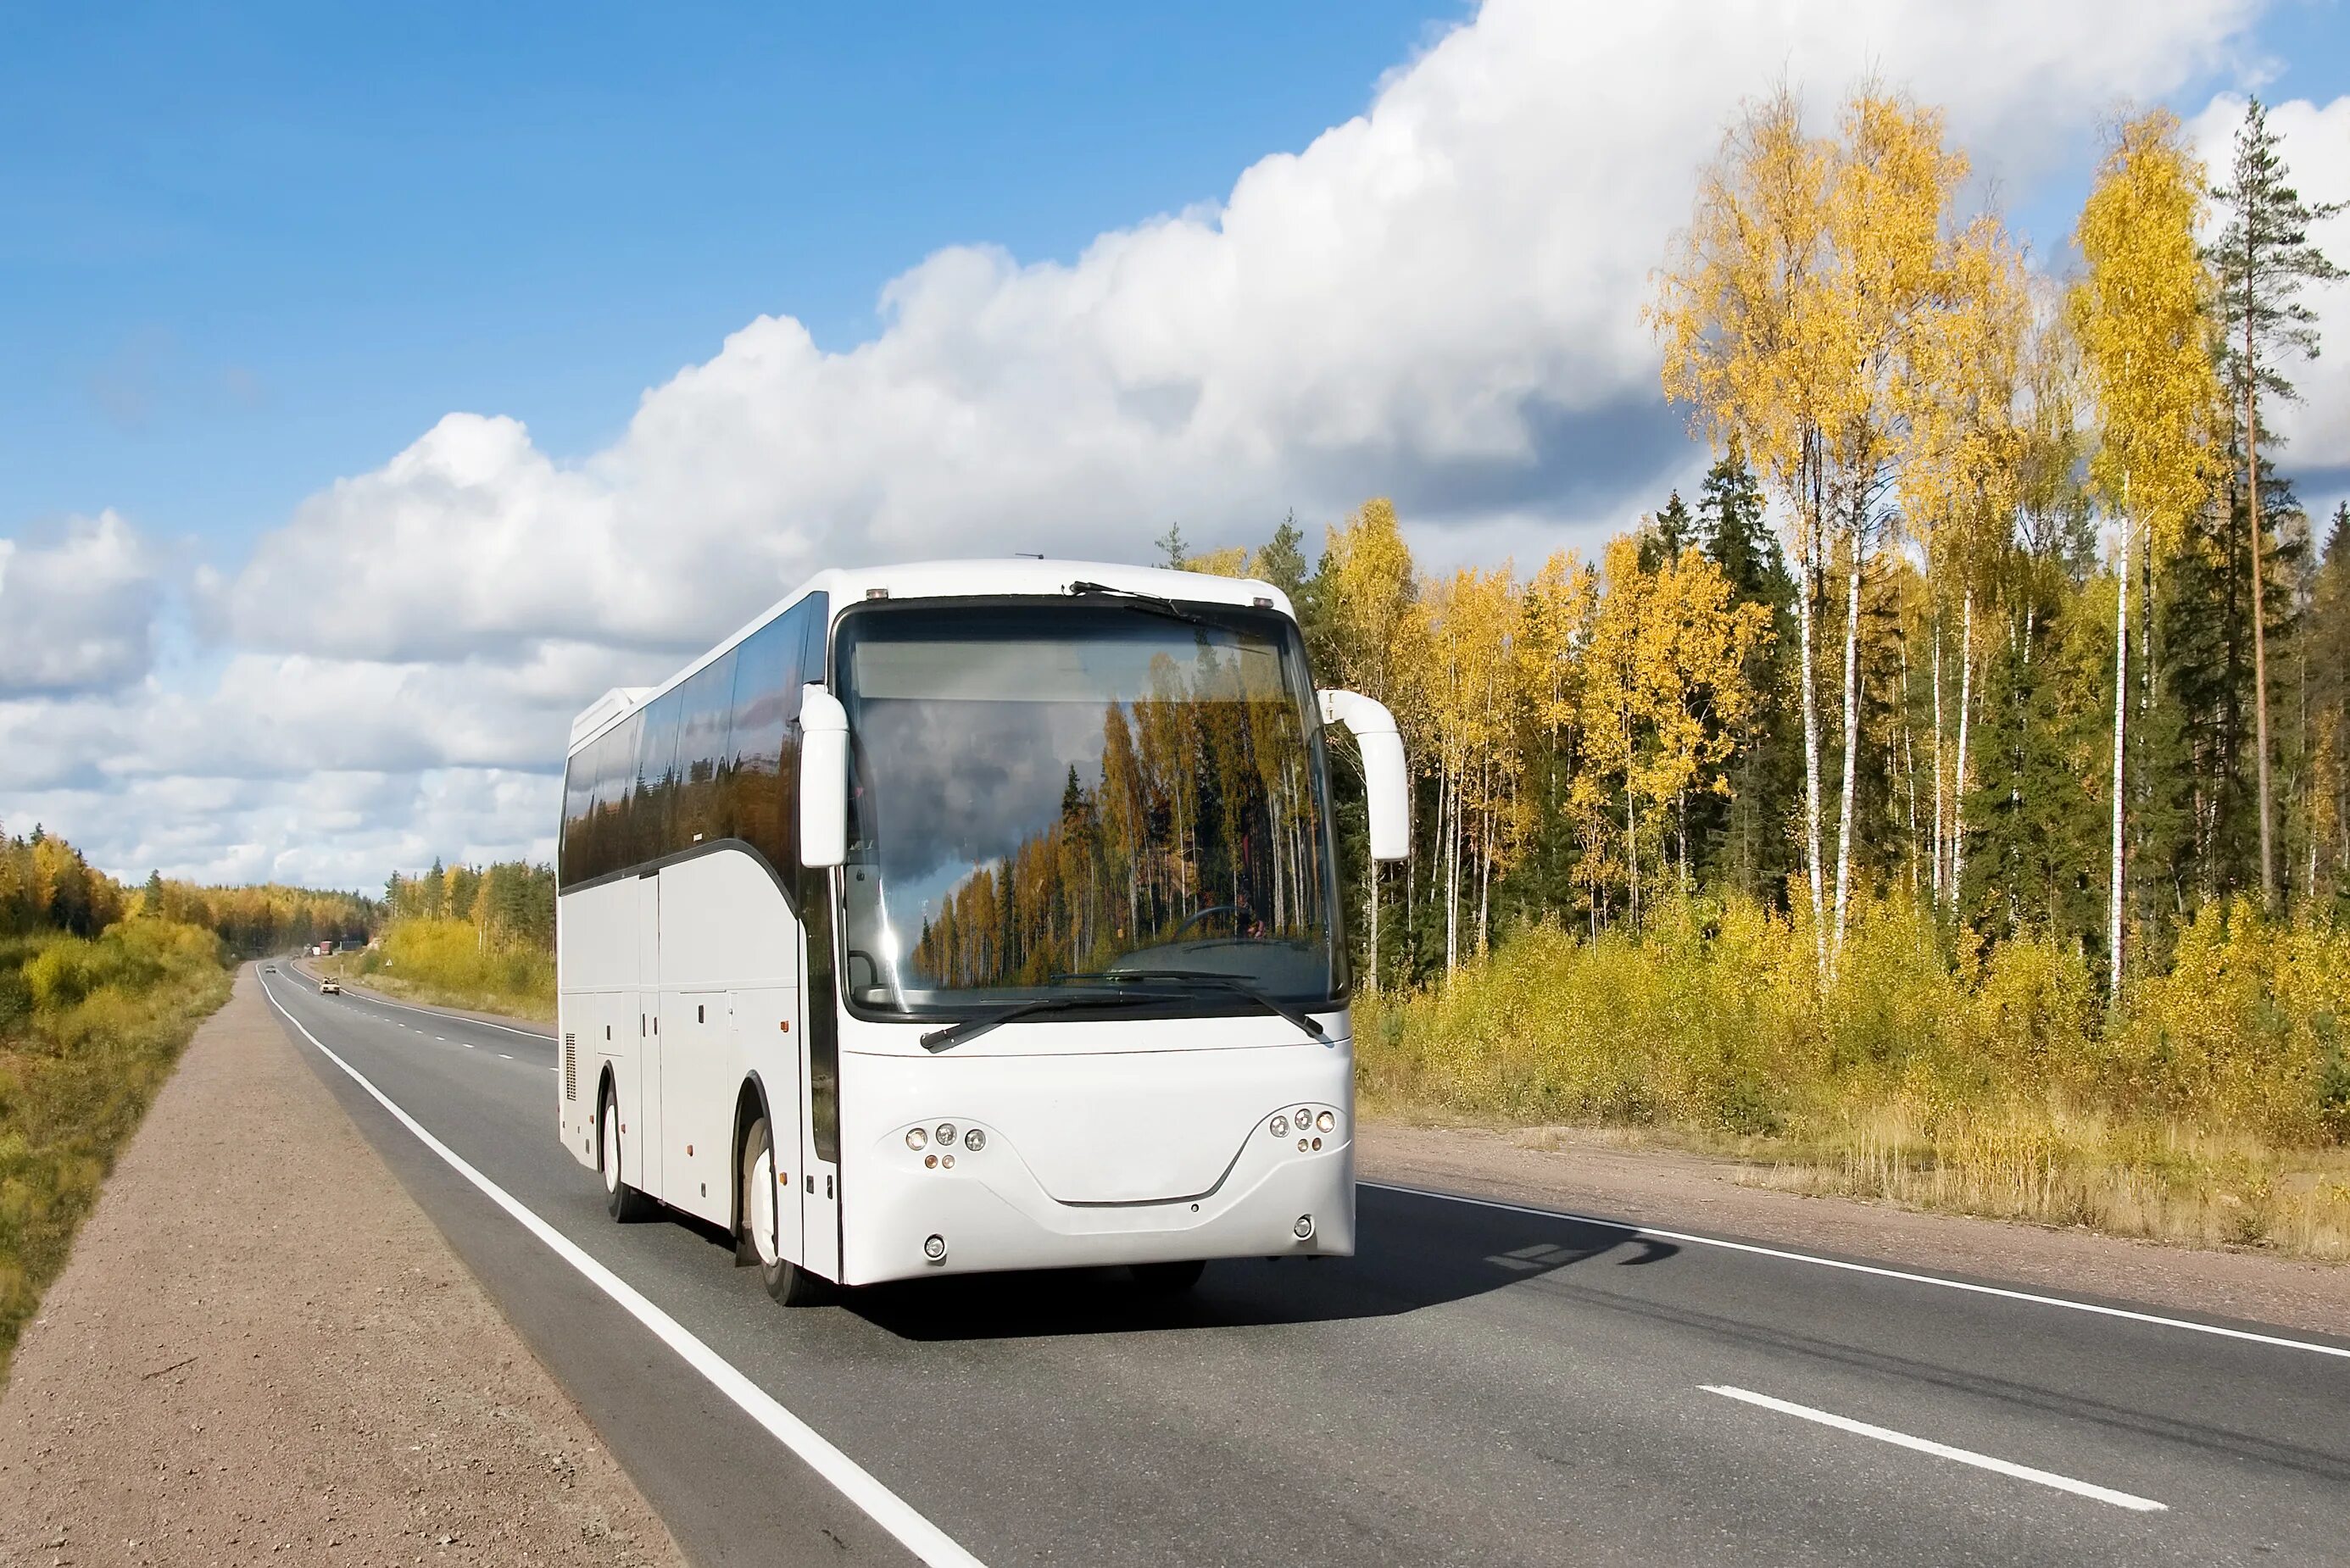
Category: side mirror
[823,779]
[1385,787]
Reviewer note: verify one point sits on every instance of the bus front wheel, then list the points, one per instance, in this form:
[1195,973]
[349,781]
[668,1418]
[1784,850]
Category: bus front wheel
[624,1202]
[1167,1279]
[762,1193]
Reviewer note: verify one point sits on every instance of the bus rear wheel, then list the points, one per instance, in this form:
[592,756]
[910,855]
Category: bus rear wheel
[756,1241]
[623,1201]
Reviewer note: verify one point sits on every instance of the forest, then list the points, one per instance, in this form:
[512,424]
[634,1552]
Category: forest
[1955,791]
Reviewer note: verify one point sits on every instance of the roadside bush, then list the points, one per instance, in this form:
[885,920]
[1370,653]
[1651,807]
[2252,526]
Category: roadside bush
[449,962]
[90,1028]
[1928,1068]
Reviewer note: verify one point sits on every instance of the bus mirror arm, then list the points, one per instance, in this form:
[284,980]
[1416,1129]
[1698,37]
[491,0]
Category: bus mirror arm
[1386,789]
[823,779]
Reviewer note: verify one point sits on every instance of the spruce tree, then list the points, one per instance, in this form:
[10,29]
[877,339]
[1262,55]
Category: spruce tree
[1744,841]
[2263,257]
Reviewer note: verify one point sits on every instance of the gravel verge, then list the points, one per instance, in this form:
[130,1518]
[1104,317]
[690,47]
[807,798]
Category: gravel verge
[263,1351]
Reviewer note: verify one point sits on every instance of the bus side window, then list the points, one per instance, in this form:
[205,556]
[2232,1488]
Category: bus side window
[651,807]
[766,689]
[701,740]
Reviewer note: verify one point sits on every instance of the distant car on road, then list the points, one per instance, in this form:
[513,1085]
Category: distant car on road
[269,969]
[330,988]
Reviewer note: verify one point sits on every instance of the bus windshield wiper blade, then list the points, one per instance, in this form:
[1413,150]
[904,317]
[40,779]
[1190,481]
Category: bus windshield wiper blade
[954,1035]
[1231,982]
[1135,596]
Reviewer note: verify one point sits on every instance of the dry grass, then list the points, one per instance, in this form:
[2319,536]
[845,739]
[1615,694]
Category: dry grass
[447,963]
[1928,1072]
[89,1032]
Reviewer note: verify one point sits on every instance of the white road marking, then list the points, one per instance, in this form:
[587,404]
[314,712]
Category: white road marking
[504,1057]
[852,1480]
[1942,1450]
[477,1022]
[2279,1341]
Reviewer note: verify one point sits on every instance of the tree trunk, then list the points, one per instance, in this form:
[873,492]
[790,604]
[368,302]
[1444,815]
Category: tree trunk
[1941,774]
[1851,742]
[1958,778]
[2259,614]
[1804,638]
[2121,711]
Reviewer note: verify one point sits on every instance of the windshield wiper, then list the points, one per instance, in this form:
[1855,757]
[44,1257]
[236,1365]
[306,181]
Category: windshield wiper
[954,1035]
[1231,982]
[1164,606]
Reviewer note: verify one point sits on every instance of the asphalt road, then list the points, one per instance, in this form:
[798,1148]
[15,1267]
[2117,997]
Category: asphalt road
[1481,1385]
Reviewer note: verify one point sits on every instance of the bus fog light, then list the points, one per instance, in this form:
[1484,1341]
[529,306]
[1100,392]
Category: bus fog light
[973,1139]
[929,1162]
[947,1163]
[935,1247]
[1303,1229]
[917,1138]
[1281,1127]
[946,1132]
[1325,1122]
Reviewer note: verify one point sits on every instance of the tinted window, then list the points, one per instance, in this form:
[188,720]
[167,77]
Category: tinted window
[766,717]
[615,777]
[578,808]
[656,792]
[704,722]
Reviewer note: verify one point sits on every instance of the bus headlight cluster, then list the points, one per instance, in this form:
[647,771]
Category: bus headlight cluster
[1325,1122]
[941,1140]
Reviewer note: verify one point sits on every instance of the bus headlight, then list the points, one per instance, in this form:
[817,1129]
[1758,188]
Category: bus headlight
[1281,1127]
[916,1138]
[1325,1122]
[946,1132]
[973,1139]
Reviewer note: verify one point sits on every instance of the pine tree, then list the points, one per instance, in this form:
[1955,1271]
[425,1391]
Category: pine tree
[1173,549]
[2263,258]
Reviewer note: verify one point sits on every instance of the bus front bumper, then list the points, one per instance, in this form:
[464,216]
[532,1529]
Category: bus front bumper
[908,1221]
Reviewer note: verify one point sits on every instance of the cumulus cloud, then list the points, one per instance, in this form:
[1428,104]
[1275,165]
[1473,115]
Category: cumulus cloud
[77,609]
[1438,299]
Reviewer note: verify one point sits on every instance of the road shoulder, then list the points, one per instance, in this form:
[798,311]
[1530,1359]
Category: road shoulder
[261,1347]
[1585,1172]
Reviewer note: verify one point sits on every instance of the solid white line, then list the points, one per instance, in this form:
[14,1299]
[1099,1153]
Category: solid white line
[2002,1292]
[1942,1450]
[885,1508]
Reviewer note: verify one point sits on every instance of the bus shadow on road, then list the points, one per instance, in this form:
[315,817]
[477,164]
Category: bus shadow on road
[1412,1252]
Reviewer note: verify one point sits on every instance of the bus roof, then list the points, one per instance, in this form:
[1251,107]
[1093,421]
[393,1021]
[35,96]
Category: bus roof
[985,577]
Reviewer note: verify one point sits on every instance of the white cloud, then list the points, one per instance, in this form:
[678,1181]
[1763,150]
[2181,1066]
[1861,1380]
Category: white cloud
[1436,300]
[77,610]
[2314,143]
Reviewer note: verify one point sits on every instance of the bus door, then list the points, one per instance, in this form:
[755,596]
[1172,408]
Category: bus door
[819,1057]
[645,1136]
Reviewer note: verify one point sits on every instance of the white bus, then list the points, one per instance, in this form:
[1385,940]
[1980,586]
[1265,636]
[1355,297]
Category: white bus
[974,915]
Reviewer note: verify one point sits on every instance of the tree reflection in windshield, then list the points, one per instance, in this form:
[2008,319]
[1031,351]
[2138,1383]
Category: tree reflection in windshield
[1119,791]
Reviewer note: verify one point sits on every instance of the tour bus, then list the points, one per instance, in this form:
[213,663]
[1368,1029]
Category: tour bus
[971,916]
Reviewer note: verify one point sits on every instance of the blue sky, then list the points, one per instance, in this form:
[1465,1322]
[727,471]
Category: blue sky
[384,385]
[259,247]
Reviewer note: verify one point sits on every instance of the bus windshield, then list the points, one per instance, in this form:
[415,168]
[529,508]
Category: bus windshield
[1055,799]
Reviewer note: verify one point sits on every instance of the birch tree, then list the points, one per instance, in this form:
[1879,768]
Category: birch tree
[2140,313]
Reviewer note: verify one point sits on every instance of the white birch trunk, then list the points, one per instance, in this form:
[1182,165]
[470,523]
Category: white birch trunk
[2121,711]
[1958,778]
[1851,744]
